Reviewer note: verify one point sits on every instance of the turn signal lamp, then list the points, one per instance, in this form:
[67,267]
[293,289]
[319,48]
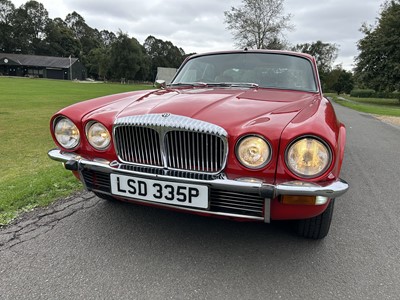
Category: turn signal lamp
[303,200]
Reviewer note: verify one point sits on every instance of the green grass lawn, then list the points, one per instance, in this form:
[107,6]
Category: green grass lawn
[28,178]
[378,106]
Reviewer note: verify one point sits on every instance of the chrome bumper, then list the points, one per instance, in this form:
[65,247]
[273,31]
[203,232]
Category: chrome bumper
[268,191]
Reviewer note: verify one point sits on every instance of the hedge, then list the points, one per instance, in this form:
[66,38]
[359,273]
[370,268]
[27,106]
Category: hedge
[368,93]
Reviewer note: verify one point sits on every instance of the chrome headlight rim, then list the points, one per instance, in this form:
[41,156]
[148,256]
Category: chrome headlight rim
[323,171]
[78,140]
[88,126]
[237,146]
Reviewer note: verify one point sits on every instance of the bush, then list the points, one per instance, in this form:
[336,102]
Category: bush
[367,93]
[363,93]
[395,95]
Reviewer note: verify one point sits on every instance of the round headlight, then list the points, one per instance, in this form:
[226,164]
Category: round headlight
[253,152]
[66,133]
[98,135]
[308,157]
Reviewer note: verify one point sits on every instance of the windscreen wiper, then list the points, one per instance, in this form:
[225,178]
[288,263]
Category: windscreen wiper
[196,84]
[221,84]
[234,84]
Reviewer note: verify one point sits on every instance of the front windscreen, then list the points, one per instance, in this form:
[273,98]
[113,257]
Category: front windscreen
[267,70]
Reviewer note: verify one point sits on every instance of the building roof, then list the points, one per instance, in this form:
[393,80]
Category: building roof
[37,60]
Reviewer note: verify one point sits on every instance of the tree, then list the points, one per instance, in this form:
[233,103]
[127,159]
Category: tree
[59,41]
[38,17]
[88,37]
[126,57]
[98,59]
[6,12]
[344,83]
[258,24]
[340,80]
[77,24]
[107,37]
[99,63]
[29,22]
[378,63]
[162,54]
[324,53]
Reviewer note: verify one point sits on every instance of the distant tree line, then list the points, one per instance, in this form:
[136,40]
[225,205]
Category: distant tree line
[29,30]
[255,24]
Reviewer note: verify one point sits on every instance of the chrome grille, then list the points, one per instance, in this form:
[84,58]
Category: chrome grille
[237,203]
[171,142]
[194,151]
[139,145]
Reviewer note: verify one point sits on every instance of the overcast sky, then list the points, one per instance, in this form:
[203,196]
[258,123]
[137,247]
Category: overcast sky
[198,25]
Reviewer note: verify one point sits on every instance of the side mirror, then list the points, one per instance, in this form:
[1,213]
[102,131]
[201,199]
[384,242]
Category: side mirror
[160,84]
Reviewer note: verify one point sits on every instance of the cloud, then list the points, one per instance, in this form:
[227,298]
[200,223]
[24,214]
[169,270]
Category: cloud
[331,21]
[198,26]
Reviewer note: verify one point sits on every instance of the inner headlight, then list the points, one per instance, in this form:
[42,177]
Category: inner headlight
[308,157]
[98,135]
[253,152]
[66,133]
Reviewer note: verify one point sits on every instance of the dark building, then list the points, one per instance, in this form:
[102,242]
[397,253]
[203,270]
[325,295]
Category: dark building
[41,66]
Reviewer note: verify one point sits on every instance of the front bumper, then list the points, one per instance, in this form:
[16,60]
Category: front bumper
[262,191]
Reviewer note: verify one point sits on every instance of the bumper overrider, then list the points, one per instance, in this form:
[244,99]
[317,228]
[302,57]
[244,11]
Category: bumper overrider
[243,198]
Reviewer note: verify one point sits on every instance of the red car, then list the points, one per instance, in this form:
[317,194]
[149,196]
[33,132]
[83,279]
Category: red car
[244,135]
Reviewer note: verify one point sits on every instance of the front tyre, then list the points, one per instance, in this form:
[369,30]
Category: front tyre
[317,227]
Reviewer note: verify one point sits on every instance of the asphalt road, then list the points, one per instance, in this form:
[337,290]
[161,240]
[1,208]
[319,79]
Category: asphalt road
[92,249]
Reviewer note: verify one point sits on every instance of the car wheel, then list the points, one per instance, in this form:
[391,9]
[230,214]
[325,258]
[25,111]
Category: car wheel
[104,196]
[316,227]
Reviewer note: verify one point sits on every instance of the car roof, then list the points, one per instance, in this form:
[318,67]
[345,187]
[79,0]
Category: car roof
[284,52]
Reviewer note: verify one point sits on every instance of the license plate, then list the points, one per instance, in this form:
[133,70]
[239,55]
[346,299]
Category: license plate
[182,194]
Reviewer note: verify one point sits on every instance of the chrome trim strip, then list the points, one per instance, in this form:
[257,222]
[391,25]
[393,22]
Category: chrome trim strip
[330,189]
[268,191]
[171,121]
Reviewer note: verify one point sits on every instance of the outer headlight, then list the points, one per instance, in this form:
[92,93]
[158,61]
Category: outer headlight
[308,157]
[98,135]
[66,133]
[253,152]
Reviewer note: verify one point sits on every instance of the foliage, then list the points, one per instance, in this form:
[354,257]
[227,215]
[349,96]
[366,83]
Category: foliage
[6,11]
[29,22]
[325,55]
[378,64]
[28,178]
[29,30]
[368,93]
[362,93]
[161,53]
[98,63]
[59,40]
[258,24]
[340,80]
[126,56]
